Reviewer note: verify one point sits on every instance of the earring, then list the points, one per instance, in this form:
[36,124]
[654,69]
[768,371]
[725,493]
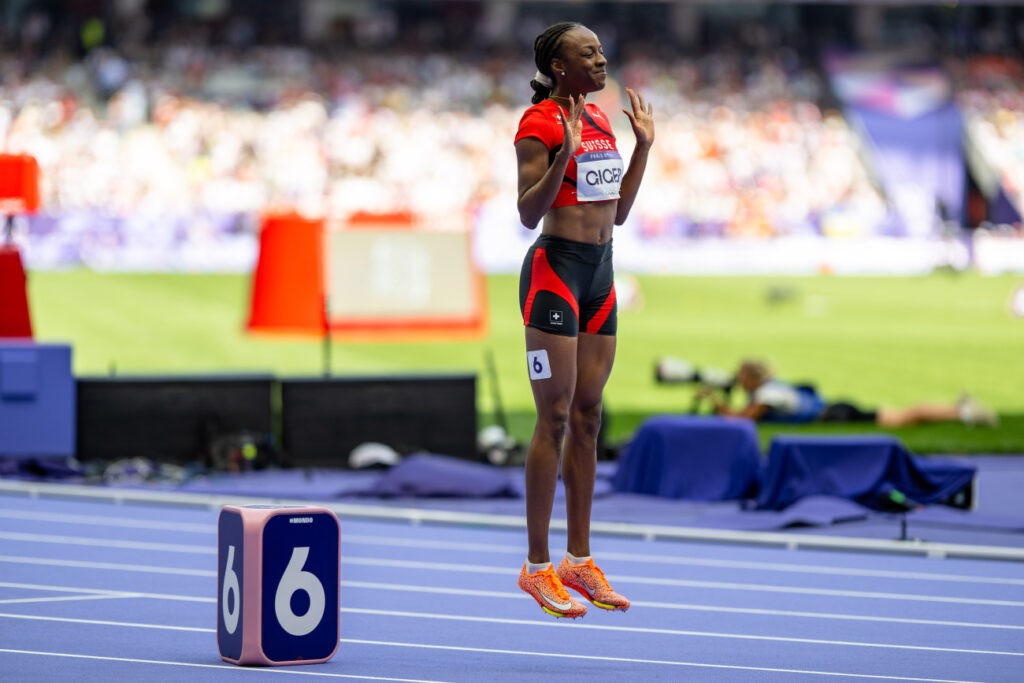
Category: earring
[563,73]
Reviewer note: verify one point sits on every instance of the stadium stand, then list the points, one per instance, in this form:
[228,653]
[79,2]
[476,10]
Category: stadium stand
[169,133]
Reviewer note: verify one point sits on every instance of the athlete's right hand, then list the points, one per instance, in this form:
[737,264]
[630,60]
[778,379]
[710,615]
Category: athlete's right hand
[572,125]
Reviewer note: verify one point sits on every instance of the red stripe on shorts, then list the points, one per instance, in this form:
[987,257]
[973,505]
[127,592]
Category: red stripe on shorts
[543,277]
[602,313]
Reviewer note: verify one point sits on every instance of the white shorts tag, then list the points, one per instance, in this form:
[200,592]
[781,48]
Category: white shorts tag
[540,368]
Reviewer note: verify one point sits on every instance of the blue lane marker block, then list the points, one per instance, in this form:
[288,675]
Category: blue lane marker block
[278,584]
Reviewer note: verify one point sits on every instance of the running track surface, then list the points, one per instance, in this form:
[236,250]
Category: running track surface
[96,591]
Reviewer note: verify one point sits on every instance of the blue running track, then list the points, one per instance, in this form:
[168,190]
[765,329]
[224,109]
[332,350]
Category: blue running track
[97,591]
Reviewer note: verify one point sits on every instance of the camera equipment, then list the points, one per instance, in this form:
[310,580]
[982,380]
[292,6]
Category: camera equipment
[671,370]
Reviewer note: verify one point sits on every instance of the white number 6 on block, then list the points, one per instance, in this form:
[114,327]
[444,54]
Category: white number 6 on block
[296,579]
[230,586]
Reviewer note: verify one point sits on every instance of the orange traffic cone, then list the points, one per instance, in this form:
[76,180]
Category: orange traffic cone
[287,285]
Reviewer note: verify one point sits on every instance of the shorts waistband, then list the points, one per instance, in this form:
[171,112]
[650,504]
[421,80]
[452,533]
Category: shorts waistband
[594,253]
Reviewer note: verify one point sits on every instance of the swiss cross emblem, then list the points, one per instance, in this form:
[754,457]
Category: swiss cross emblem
[555,317]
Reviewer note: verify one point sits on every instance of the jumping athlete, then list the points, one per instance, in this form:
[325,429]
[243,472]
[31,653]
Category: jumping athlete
[572,176]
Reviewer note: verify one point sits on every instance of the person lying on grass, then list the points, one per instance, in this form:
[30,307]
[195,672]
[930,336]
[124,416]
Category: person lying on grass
[773,400]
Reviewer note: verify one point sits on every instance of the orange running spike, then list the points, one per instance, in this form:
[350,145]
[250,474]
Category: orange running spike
[588,580]
[549,593]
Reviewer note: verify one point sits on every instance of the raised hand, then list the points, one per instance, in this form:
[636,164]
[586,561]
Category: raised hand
[572,125]
[642,118]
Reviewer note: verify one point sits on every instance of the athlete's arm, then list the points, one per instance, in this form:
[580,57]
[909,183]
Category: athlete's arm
[538,182]
[642,120]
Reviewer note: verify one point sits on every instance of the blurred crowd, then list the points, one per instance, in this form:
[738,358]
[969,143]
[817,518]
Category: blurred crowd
[201,129]
[748,142]
[990,94]
[744,145]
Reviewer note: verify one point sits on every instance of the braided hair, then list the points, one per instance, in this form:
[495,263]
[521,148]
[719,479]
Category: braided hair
[547,46]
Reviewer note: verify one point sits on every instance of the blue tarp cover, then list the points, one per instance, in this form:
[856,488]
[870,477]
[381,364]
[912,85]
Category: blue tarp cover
[425,474]
[693,458]
[864,469]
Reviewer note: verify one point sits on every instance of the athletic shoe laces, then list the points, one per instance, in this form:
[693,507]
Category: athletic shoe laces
[554,583]
[600,575]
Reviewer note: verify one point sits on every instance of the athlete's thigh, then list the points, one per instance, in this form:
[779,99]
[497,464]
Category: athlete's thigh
[551,363]
[595,355]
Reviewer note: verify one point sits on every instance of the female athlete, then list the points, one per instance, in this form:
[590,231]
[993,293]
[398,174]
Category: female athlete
[572,176]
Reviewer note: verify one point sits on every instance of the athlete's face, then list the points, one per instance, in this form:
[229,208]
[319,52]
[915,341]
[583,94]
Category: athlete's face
[582,60]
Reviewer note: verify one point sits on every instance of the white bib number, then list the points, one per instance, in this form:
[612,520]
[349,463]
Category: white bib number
[296,579]
[540,368]
[598,176]
[230,586]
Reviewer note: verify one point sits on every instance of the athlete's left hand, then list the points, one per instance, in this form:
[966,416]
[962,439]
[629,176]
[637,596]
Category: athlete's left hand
[642,118]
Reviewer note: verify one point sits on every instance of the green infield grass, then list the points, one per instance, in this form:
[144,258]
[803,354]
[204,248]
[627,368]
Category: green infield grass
[875,341]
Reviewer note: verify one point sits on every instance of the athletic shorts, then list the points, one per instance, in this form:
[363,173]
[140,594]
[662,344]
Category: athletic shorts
[568,287]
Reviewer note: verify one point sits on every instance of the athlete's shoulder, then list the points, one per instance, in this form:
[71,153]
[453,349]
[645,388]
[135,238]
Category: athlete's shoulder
[543,110]
[543,121]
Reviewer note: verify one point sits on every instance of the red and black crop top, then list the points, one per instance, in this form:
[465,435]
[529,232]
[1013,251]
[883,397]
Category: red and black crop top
[594,174]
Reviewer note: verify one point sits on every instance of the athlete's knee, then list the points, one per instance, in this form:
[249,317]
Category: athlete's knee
[586,421]
[552,422]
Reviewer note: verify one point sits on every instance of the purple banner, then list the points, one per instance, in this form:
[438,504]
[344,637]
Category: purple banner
[919,162]
[212,242]
[913,132]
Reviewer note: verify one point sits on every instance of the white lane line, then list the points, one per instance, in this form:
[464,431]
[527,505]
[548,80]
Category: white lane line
[102,520]
[685,561]
[507,571]
[633,660]
[370,585]
[225,667]
[481,569]
[401,542]
[684,583]
[564,655]
[209,549]
[104,591]
[672,632]
[86,564]
[518,595]
[596,627]
[417,516]
[103,622]
[66,598]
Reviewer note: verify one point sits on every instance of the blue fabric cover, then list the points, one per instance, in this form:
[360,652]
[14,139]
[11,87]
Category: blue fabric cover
[425,474]
[37,400]
[864,469]
[40,469]
[693,458]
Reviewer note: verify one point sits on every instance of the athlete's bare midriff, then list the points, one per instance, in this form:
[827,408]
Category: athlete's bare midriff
[591,222]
